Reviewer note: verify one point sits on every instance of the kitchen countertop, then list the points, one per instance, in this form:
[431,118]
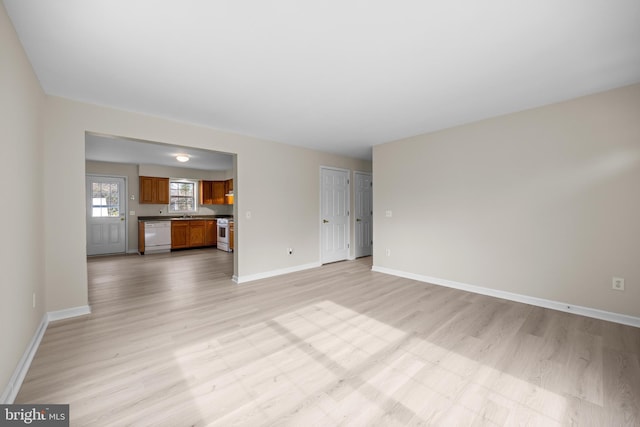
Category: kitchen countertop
[182,218]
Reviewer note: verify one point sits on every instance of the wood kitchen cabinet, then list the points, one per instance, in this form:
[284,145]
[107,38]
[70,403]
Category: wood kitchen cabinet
[206,192]
[210,232]
[179,234]
[213,192]
[147,185]
[154,190]
[228,184]
[162,187]
[218,192]
[140,237]
[196,233]
[193,233]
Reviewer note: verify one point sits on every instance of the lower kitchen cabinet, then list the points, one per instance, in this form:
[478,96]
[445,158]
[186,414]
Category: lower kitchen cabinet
[210,232]
[193,233]
[141,237]
[196,233]
[179,234]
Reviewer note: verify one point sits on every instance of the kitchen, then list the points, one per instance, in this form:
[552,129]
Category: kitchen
[165,233]
[169,197]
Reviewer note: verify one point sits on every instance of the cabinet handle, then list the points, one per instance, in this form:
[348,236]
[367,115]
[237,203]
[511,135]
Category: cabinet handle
[324,221]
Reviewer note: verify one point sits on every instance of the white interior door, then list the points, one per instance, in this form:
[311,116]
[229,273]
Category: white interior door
[364,214]
[106,219]
[334,214]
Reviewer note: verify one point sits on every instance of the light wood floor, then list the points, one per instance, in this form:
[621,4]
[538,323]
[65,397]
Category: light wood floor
[173,342]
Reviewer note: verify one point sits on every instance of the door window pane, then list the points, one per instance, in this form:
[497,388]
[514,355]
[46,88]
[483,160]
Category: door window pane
[105,199]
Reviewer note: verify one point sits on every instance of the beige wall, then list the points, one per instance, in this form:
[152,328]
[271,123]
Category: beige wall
[278,183]
[21,253]
[544,203]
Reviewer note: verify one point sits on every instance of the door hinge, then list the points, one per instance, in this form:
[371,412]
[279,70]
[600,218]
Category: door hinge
[348,213]
[348,245]
[348,181]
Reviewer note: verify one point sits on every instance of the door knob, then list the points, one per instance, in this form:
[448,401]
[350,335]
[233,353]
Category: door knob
[121,218]
[358,219]
[324,221]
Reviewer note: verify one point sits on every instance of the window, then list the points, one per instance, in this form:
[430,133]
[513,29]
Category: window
[182,196]
[105,200]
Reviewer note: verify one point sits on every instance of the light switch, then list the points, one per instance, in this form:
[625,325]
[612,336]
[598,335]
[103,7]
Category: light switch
[248,214]
[132,213]
[388,214]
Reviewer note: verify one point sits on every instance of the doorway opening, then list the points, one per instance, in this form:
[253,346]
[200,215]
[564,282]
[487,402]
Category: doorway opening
[131,159]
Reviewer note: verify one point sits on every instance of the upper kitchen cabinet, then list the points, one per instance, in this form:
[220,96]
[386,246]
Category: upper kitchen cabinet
[228,192]
[154,190]
[206,192]
[218,192]
[214,193]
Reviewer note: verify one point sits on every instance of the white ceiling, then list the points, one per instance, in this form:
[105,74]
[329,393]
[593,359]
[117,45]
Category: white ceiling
[123,150]
[335,75]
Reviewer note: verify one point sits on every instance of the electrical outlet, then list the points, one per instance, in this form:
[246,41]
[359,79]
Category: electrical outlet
[617,283]
[388,251]
[388,214]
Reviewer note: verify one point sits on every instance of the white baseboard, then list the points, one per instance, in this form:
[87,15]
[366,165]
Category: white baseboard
[69,312]
[15,382]
[540,302]
[273,273]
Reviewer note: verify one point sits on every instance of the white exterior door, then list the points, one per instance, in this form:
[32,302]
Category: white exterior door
[334,214]
[106,219]
[364,214]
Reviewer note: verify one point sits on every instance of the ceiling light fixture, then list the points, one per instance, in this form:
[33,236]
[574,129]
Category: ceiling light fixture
[182,158]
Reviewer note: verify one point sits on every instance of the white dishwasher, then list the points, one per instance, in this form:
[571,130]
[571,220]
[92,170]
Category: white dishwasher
[157,236]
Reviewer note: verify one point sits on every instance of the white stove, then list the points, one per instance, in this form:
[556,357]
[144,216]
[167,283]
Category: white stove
[223,234]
